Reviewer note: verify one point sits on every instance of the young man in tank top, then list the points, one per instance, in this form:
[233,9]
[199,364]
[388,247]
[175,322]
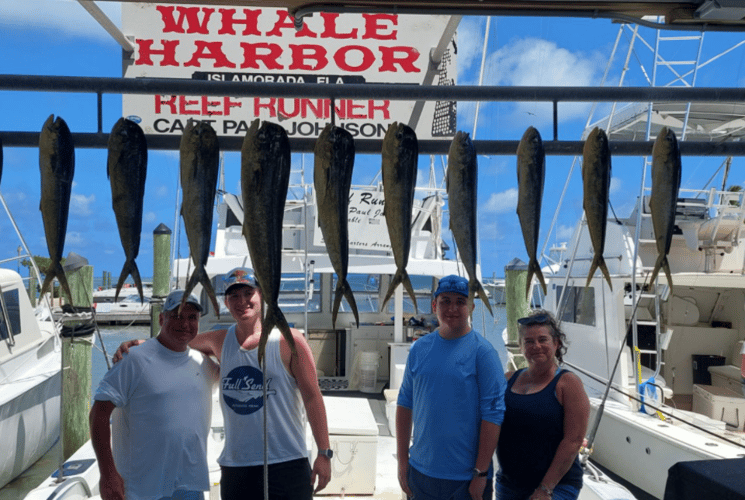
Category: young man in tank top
[292,383]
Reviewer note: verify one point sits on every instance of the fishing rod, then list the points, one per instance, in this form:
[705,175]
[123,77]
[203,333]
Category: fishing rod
[656,408]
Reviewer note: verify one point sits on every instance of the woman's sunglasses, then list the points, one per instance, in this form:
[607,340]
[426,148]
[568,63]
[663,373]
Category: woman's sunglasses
[538,319]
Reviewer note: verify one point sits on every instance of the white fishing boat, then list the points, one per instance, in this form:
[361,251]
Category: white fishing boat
[129,309]
[676,393]
[30,373]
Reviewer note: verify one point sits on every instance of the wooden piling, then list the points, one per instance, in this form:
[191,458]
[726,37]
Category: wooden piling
[161,274]
[77,364]
[516,304]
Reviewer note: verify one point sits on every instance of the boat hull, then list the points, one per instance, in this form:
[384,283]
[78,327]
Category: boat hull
[29,409]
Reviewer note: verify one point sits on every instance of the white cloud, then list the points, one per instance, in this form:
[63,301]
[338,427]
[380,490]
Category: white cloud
[503,202]
[563,232]
[75,239]
[149,217]
[470,43]
[538,62]
[616,185]
[64,15]
[80,205]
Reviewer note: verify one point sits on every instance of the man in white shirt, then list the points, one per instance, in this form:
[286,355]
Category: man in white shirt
[160,398]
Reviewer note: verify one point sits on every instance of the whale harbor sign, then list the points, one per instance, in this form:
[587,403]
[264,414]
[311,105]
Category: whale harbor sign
[262,45]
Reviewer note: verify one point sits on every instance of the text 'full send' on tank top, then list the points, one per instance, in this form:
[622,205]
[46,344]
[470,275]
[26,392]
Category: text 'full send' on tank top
[241,399]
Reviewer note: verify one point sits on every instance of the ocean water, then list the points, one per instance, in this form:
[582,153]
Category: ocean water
[112,337]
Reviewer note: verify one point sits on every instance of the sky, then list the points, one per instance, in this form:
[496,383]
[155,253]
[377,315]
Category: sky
[58,37]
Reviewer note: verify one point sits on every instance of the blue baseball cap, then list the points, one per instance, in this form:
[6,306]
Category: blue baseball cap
[452,283]
[240,276]
[174,300]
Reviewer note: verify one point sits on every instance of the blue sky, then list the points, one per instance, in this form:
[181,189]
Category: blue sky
[41,37]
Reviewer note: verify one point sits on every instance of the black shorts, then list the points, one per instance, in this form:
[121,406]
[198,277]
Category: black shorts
[287,481]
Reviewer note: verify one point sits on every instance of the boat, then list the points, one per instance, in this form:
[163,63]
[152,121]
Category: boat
[30,371]
[128,310]
[361,413]
[660,361]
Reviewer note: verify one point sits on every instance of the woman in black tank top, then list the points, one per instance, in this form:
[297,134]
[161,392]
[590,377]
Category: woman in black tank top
[546,419]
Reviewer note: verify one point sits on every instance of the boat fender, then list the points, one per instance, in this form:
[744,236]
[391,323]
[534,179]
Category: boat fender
[651,394]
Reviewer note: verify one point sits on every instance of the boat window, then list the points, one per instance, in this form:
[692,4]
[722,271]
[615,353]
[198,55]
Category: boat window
[14,313]
[291,294]
[366,289]
[423,290]
[579,305]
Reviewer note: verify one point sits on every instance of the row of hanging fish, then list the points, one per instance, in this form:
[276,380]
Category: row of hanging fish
[596,178]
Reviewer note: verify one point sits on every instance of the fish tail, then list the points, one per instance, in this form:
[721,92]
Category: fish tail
[397,280]
[56,272]
[410,289]
[207,284]
[47,283]
[138,281]
[400,278]
[591,272]
[657,266]
[534,269]
[130,267]
[343,289]
[475,289]
[666,268]
[337,302]
[606,273]
[274,317]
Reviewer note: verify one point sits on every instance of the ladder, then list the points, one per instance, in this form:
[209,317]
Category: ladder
[684,72]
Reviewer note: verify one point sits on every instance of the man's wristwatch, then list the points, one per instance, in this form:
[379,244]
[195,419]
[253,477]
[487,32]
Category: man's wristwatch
[326,453]
[478,473]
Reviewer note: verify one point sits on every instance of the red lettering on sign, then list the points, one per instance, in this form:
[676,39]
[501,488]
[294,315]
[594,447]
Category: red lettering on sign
[266,53]
[209,50]
[382,107]
[208,107]
[380,27]
[405,57]
[169,102]
[184,105]
[345,109]
[228,103]
[283,108]
[268,104]
[329,28]
[341,58]
[188,14]
[301,53]
[145,51]
[351,110]
[250,22]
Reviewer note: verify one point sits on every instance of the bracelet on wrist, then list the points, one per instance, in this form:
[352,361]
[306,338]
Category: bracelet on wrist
[548,491]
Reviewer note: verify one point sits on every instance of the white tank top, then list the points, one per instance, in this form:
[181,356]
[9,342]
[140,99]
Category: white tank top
[241,399]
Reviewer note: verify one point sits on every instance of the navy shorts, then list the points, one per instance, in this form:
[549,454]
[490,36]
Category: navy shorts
[424,487]
[287,481]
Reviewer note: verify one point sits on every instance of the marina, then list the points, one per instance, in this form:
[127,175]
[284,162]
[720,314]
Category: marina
[649,294]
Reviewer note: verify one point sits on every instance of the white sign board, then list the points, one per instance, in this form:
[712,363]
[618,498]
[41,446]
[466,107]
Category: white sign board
[365,221]
[262,45]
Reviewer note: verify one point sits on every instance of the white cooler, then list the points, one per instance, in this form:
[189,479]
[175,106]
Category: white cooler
[719,403]
[353,436]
